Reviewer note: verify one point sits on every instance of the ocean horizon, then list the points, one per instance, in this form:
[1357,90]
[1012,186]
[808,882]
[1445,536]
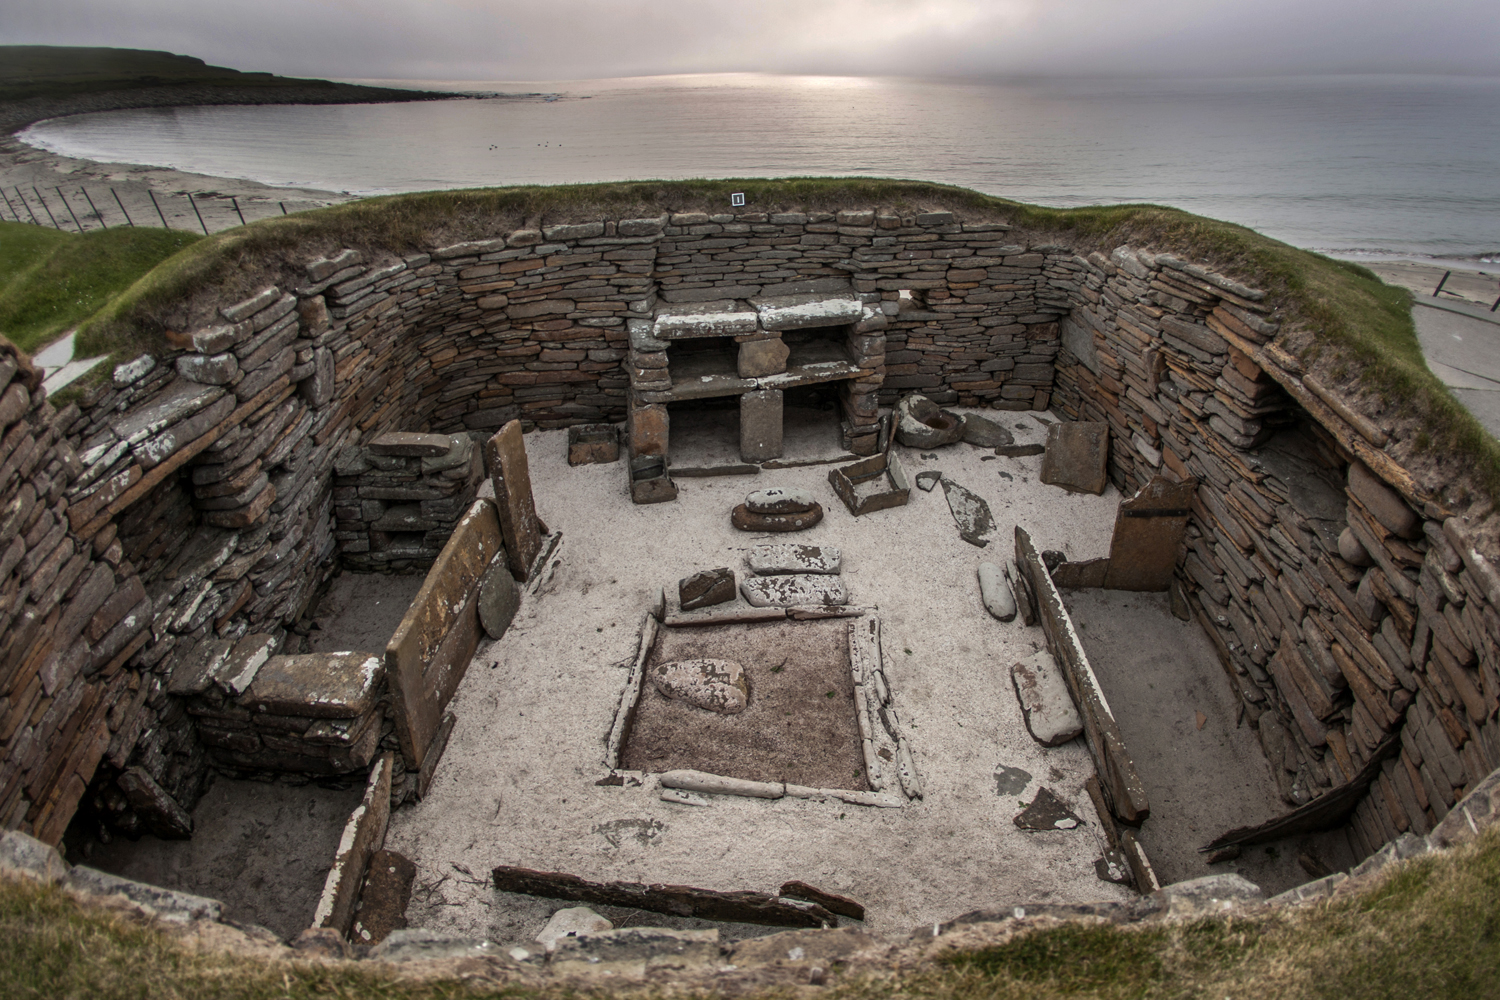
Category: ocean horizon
[1367,166]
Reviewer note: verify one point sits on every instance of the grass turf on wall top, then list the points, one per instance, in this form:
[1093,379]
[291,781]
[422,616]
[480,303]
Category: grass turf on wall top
[1338,317]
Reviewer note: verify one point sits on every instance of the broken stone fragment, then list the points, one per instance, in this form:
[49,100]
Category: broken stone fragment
[842,905]
[571,922]
[927,480]
[794,591]
[970,512]
[1113,867]
[1046,812]
[985,433]
[1046,704]
[746,520]
[779,500]
[995,592]
[776,558]
[1076,456]
[706,588]
[716,685]
[920,424]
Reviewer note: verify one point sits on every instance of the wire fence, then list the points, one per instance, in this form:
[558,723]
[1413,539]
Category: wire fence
[83,211]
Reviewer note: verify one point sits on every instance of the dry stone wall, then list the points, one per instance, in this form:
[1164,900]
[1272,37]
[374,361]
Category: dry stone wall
[1351,610]
[206,491]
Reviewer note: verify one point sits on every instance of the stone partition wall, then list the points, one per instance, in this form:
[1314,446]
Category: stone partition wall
[207,490]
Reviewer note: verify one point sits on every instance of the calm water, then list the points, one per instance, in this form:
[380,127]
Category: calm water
[1342,164]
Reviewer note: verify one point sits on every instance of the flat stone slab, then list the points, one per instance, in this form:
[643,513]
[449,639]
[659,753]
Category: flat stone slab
[703,319]
[970,512]
[794,591]
[994,591]
[794,312]
[985,433]
[780,500]
[180,401]
[706,588]
[1051,717]
[1046,812]
[746,520]
[715,685]
[384,898]
[168,904]
[1077,456]
[927,480]
[317,685]
[776,558]
[411,445]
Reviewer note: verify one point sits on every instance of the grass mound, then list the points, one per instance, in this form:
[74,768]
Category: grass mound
[1432,929]
[51,280]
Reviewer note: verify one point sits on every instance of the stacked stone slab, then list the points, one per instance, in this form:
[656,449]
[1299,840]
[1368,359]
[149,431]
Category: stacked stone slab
[398,497]
[256,712]
[1385,644]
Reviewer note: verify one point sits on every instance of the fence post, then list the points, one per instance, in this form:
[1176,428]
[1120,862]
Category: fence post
[69,208]
[197,213]
[1439,288]
[157,205]
[10,206]
[283,207]
[122,208]
[46,208]
[97,214]
[237,211]
[29,212]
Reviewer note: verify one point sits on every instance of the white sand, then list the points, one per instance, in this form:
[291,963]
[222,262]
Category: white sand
[516,785]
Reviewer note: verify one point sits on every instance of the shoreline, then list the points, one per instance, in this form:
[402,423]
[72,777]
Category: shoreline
[220,202]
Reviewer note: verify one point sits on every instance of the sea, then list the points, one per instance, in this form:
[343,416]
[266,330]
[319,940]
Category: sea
[1354,166]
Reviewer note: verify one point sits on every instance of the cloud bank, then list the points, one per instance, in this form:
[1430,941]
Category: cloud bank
[590,39]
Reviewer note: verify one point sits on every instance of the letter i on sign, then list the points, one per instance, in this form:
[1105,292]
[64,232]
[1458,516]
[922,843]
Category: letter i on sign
[737,200]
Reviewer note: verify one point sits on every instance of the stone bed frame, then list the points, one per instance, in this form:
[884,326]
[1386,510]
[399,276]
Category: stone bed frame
[1357,620]
[879,725]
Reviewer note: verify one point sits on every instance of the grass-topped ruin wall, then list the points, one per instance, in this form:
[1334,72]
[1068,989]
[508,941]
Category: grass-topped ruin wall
[205,488]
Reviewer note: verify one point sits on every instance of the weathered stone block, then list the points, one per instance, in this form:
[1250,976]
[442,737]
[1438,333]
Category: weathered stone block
[1149,529]
[760,425]
[713,685]
[779,558]
[340,685]
[364,834]
[706,588]
[794,590]
[1076,457]
[409,445]
[762,357]
[499,599]
[593,444]
[383,901]
[1050,715]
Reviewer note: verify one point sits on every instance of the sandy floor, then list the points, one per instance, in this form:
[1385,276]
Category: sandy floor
[1158,673]
[263,850]
[517,783]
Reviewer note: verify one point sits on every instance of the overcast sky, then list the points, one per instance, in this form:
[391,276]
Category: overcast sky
[585,39]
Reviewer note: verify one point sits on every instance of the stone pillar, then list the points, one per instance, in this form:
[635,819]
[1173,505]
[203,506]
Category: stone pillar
[760,425]
[647,427]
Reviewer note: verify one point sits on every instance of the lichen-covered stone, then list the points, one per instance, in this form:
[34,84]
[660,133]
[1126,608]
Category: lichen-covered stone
[716,685]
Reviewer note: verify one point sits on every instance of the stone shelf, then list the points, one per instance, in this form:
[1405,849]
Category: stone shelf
[711,373]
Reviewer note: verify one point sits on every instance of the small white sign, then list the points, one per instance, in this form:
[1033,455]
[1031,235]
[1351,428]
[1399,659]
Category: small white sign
[737,200]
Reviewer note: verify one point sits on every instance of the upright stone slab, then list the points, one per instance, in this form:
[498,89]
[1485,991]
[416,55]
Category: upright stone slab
[364,834]
[430,650]
[521,529]
[1076,456]
[1148,532]
[760,425]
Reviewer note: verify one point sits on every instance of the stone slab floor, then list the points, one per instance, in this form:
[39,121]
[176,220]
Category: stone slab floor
[1158,674]
[517,783]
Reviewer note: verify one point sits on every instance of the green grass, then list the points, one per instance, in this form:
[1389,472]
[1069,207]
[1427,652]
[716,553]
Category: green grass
[51,280]
[1430,930]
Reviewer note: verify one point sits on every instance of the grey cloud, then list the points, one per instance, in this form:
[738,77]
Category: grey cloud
[579,39]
